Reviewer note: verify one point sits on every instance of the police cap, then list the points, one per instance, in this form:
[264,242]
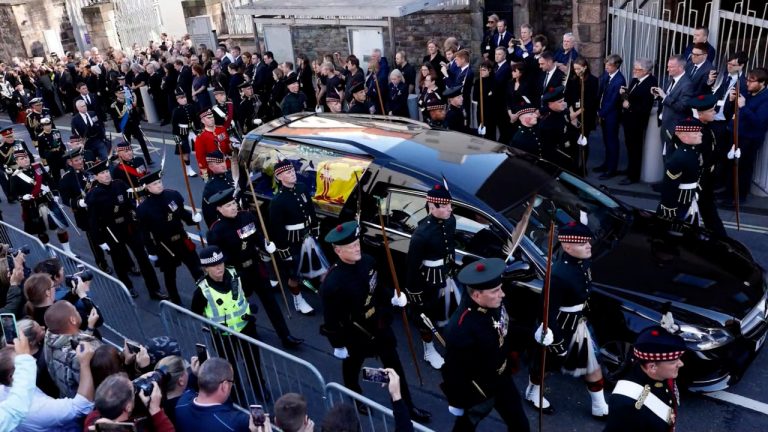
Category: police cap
[211,256]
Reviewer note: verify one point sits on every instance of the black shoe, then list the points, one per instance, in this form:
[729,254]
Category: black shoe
[105,268]
[548,410]
[150,162]
[600,169]
[292,342]
[159,295]
[656,187]
[607,175]
[627,182]
[133,293]
[420,416]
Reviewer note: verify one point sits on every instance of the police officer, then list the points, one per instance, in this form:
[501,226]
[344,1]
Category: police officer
[679,189]
[704,107]
[160,218]
[31,184]
[568,336]
[455,117]
[219,296]
[129,168]
[292,223]
[127,119]
[35,114]
[219,179]
[236,233]
[52,149]
[527,136]
[358,313]
[8,161]
[553,127]
[249,109]
[648,398]
[477,374]
[73,187]
[112,221]
[430,284]
[185,119]
[359,103]
[211,138]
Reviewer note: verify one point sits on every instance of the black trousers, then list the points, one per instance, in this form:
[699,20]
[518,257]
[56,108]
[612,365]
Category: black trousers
[385,348]
[506,402]
[168,264]
[121,260]
[634,138]
[250,380]
[707,207]
[134,131]
[5,183]
[253,282]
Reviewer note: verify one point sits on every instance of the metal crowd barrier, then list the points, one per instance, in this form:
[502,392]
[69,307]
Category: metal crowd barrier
[380,418]
[121,317]
[17,239]
[262,373]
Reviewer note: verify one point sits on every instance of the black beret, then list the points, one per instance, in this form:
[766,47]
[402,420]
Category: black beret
[222,197]
[343,234]
[553,94]
[179,92]
[483,274]
[703,102]
[99,167]
[357,87]
[151,177]
[452,92]
[292,79]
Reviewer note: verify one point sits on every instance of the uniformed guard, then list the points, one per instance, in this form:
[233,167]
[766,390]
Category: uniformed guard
[455,116]
[569,337]
[358,313]
[430,285]
[129,169]
[527,136]
[211,138]
[359,103]
[35,114]
[250,108]
[31,184]
[8,161]
[294,101]
[73,188]
[219,179]
[20,102]
[294,225]
[237,234]
[679,190]
[223,111]
[647,400]
[704,109]
[219,296]
[431,104]
[553,127]
[112,221]
[127,119]
[479,341]
[161,218]
[51,149]
[185,121]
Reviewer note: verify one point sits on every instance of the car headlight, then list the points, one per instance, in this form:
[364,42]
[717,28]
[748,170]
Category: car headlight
[704,338]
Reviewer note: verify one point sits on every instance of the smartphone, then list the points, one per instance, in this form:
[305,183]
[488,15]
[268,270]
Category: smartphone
[133,347]
[10,331]
[257,412]
[375,375]
[202,353]
[115,427]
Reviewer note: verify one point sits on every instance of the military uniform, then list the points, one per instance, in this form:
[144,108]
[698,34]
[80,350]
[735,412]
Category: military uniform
[640,403]
[477,375]
[242,242]
[130,171]
[248,111]
[455,116]
[160,220]
[679,189]
[8,161]
[432,107]
[707,178]
[223,113]
[553,130]
[527,138]
[112,221]
[127,119]
[358,316]
[356,107]
[215,184]
[52,149]
[185,119]
[33,124]
[211,140]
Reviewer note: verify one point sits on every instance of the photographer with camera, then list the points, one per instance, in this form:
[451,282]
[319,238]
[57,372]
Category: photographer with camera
[74,289]
[47,413]
[15,405]
[115,402]
[61,340]
[12,275]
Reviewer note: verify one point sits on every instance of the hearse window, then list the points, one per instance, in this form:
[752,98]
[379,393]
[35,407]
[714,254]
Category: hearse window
[328,175]
[405,211]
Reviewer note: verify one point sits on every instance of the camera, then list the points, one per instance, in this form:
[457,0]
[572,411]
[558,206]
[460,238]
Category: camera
[15,251]
[84,275]
[144,384]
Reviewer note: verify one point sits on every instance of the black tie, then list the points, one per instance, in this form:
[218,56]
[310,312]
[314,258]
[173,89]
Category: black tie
[87,100]
[671,85]
[693,72]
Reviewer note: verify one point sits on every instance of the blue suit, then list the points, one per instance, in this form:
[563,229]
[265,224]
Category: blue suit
[609,112]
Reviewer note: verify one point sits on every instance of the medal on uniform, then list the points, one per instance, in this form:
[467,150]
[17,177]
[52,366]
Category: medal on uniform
[120,200]
[173,206]
[246,230]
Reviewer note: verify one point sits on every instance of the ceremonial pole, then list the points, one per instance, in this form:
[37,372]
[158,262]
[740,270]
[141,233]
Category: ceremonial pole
[545,315]
[736,159]
[189,192]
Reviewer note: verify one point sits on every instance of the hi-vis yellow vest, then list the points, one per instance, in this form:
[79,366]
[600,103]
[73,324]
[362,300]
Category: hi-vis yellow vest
[222,308]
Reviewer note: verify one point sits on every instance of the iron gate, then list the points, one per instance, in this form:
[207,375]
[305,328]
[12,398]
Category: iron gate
[137,22]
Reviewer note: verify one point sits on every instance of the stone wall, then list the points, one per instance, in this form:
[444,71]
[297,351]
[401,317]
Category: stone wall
[10,37]
[214,8]
[589,28]
[99,19]
[23,25]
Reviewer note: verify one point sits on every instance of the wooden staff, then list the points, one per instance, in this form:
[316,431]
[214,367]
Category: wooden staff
[189,193]
[378,93]
[736,159]
[266,237]
[545,315]
[582,151]
[397,291]
[130,182]
[480,98]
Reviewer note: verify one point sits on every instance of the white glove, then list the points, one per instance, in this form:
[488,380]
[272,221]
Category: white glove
[458,412]
[270,247]
[152,258]
[548,339]
[27,197]
[399,301]
[104,247]
[734,153]
[341,353]
[258,121]
[47,168]
[319,109]
[481,130]
[582,141]
[57,199]
[81,203]
[45,189]
[234,142]
[197,217]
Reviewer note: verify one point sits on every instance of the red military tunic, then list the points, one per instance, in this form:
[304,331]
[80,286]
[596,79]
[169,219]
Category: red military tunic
[209,141]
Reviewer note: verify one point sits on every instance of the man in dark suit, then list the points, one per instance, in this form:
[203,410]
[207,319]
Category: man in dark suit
[92,102]
[550,75]
[609,111]
[185,77]
[502,36]
[87,125]
[674,97]
[637,104]
[700,70]
[502,72]
[700,35]
[261,78]
[465,79]
[488,35]
[719,125]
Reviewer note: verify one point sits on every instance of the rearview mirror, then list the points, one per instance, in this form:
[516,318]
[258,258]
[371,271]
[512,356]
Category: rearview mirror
[519,271]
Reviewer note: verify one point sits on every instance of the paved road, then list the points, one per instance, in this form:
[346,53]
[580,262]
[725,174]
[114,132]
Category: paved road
[746,410]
